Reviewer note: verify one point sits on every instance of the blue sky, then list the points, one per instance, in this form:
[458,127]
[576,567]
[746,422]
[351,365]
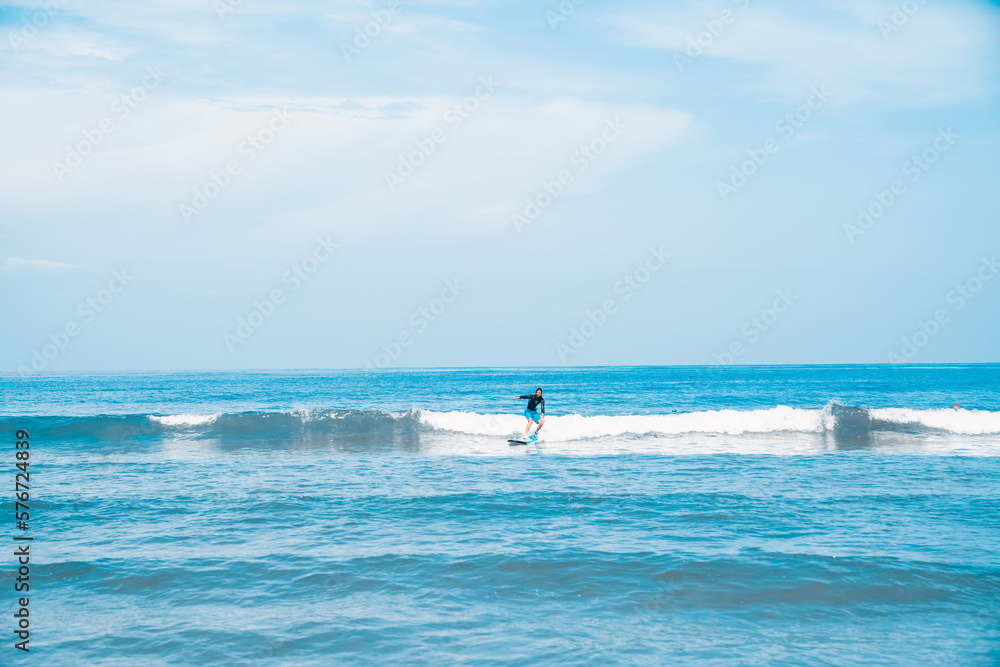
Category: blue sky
[270,202]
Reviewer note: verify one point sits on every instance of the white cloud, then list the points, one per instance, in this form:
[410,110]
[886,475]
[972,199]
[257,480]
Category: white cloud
[16,265]
[94,48]
[333,157]
[940,56]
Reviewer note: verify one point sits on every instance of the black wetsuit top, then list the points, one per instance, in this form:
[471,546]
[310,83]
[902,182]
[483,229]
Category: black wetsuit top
[535,403]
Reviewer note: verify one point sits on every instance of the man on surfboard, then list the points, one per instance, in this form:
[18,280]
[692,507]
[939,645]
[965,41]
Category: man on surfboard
[535,412]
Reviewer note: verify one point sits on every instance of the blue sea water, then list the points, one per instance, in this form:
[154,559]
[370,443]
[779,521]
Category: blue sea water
[820,515]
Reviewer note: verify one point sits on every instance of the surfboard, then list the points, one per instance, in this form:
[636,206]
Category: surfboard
[517,442]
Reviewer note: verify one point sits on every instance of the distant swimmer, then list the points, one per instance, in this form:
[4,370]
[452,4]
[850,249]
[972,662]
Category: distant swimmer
[535,412]
[955,407]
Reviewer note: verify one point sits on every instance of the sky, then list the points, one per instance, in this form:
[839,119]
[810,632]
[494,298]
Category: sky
[249,184]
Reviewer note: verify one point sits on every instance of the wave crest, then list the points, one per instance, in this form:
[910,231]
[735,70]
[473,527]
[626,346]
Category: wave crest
[961,422]
[364,427]
[185,420]
[847,421]
[577,427]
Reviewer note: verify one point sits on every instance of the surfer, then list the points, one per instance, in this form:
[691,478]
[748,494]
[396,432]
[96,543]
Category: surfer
[535,412]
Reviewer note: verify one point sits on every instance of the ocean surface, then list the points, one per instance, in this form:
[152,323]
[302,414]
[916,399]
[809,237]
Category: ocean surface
[801,515]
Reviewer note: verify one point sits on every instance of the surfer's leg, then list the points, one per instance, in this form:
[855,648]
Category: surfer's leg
[528,415]
[541,423]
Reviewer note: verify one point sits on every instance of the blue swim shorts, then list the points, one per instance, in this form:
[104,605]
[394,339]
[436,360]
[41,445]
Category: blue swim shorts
[537,416]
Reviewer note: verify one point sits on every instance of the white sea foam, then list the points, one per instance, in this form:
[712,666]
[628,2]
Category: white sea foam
[577,427]
[780,419]
[185,420]
[963,422]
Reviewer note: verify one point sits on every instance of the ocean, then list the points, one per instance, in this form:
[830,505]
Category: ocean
[820,515]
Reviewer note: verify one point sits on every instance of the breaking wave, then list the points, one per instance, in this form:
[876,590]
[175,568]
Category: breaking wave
[836,419]
[378,426]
